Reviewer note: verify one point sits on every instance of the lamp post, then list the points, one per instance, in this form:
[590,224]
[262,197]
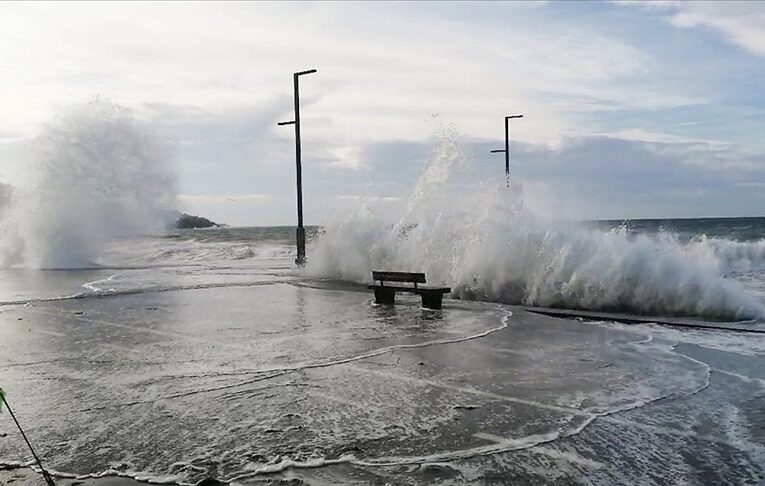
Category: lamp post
[300,231]
[506,150]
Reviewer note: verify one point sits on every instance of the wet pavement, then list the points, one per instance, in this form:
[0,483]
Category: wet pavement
[276,381]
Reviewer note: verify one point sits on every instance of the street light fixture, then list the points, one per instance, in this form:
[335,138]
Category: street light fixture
[300,231]
[506,150]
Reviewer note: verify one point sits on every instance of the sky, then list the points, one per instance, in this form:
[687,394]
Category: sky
[649,109]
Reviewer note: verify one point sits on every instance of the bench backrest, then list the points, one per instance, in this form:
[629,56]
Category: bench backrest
[399,277]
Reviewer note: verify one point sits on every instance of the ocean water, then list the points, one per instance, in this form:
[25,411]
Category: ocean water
[726,254]
[101,182]
[208,354]
[489,242]
[178,357]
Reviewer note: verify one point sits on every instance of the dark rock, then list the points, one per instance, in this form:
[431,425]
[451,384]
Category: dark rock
[187,221]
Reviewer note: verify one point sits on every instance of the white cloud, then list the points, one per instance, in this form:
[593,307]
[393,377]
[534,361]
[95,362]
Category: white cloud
[640,134]
[741,22]
[381,70]
[216,77]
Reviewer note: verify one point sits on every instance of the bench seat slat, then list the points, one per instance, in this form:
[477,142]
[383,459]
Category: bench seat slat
[399,277]
[414,290]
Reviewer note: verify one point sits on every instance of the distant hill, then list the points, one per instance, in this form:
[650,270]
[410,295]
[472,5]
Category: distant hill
[188,221]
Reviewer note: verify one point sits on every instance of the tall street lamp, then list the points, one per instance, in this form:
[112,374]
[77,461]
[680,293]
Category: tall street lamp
[506,150]
[300,231]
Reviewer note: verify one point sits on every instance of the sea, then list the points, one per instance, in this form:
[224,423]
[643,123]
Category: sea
[208,357]
[727,254]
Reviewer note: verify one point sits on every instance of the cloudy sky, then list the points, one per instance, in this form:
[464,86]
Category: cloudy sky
[631,110]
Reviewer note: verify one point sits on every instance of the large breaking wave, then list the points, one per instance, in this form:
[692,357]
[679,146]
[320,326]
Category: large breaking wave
[97,174]
[481,240]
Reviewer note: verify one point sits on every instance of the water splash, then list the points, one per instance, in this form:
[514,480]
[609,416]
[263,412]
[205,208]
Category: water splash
[97,174]
[481,240]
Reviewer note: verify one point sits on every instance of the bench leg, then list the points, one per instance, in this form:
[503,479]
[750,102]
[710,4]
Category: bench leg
[384,296]
[432,300]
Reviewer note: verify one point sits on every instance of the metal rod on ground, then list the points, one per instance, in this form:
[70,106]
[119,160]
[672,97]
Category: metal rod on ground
[45,474]
[300,231]
[506,150]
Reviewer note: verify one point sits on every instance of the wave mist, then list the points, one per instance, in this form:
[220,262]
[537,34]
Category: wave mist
[97,174]
[479,239]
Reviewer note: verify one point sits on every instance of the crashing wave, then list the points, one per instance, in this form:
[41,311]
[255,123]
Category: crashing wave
[98,174]
[483,242]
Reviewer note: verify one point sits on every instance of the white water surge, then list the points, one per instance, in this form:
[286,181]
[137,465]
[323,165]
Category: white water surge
[483,242]
[97,174]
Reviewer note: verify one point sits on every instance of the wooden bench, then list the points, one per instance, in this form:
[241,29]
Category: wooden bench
[385,294]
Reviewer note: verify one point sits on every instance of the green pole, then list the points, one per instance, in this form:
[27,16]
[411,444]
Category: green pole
[45,474]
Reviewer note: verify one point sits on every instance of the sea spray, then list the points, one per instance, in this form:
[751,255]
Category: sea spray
[732,256]
[97,174]
[479,239]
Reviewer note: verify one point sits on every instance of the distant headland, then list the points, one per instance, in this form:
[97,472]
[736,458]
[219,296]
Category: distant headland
[188,221]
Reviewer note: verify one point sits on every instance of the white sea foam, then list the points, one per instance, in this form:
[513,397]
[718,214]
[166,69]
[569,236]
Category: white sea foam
[98,174]
[732,256]
[481,240]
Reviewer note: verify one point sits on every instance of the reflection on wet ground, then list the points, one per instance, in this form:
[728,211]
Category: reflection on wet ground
[284,381]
